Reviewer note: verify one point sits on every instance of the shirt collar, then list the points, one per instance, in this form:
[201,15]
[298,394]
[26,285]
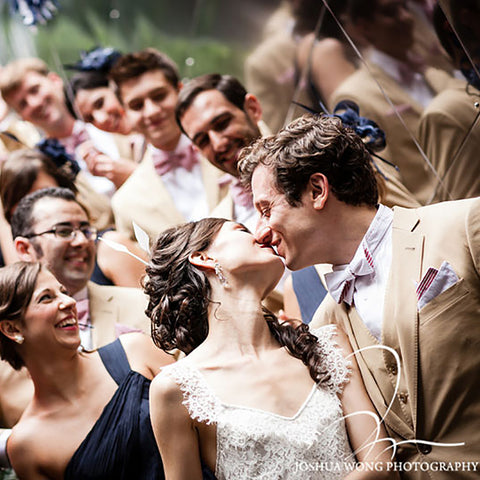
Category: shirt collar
[376,232]
[81,294]
[388,64]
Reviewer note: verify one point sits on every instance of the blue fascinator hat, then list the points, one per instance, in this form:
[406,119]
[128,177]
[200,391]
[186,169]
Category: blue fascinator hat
[98,59]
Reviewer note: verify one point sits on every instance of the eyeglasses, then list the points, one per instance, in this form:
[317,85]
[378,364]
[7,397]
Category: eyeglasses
[65,232]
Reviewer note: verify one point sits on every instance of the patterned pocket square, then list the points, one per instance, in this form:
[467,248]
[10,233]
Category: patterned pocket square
[434,282]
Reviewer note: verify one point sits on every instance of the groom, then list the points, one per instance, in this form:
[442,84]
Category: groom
[405,286]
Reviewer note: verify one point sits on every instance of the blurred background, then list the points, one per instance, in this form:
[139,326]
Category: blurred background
[200,35]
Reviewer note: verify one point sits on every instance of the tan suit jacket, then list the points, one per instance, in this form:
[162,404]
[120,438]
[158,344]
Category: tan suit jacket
[401,149]
[270,75]
[442,132]
[109,308]
[144,198]
[438,398]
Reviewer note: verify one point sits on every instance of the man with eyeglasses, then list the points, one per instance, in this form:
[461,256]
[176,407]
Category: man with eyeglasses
[50,226]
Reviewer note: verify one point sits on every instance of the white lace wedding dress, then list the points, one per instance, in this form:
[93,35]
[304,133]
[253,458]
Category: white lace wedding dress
[256,444]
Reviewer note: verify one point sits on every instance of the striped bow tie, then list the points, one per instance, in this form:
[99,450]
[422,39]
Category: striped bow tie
[341,283]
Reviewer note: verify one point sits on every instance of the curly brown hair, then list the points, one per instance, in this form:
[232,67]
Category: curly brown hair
[312,144]
[17,284]
[180,296]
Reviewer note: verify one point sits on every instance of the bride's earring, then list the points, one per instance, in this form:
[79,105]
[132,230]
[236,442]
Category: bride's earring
[219,273]
[19,338]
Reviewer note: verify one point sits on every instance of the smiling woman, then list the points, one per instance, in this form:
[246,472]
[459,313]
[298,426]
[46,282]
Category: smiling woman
[89,415]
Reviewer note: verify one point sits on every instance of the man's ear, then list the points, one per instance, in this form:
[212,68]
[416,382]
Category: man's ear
[252,107]
[202,261]
[9,328]
[25,250]
[319,189]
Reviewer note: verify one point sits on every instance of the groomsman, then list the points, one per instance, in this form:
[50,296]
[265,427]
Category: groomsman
[220,117]
[173,183]
[37,96]
[405,285]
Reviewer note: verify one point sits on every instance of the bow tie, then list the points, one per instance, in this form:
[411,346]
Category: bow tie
[239,195]
[83,314]
[165,161]
[341,283]
[407,70]
[73,141]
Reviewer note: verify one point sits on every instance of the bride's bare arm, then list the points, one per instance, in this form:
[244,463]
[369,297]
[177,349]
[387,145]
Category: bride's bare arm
[174,430]
[362,428]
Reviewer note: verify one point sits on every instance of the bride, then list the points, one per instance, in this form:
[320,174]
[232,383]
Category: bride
[253,398]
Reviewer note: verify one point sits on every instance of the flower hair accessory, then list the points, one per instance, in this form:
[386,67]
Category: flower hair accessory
[98,59]
[371,134]
[54,150]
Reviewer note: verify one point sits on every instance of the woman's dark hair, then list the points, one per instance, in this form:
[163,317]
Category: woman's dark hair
[83,81]
[17,284]
[19,172]
[180,297]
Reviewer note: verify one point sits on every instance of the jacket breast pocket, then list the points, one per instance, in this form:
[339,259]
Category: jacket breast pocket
[449,300]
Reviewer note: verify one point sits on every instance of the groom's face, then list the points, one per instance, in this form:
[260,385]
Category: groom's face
[290,230]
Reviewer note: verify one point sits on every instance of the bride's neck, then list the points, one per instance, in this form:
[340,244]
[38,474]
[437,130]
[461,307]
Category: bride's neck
[237,325]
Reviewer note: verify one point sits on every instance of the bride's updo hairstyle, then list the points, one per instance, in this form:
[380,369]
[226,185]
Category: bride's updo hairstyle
[179,298]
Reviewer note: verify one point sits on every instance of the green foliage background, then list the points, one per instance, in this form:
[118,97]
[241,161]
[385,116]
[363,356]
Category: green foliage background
[216,34]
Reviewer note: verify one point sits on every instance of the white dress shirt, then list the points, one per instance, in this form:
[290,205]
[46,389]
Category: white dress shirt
[186,187]
[417,88]
[369,290]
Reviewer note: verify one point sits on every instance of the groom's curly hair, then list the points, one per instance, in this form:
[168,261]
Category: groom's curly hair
[180,298]
[314,144]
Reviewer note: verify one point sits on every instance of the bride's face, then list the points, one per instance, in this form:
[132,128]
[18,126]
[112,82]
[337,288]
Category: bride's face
[239,254]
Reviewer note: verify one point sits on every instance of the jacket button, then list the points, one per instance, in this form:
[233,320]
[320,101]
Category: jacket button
[403,397]
[424,448]
[392,369]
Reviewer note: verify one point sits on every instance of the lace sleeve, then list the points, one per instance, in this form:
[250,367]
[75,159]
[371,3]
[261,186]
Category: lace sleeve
[336,364]
[201,403]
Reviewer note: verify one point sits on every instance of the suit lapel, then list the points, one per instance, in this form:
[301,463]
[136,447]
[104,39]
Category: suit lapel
[210,177]
[397,95]
[400,327]
[157,194]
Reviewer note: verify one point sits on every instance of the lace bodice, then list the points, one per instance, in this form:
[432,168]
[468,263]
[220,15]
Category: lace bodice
[256,444]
